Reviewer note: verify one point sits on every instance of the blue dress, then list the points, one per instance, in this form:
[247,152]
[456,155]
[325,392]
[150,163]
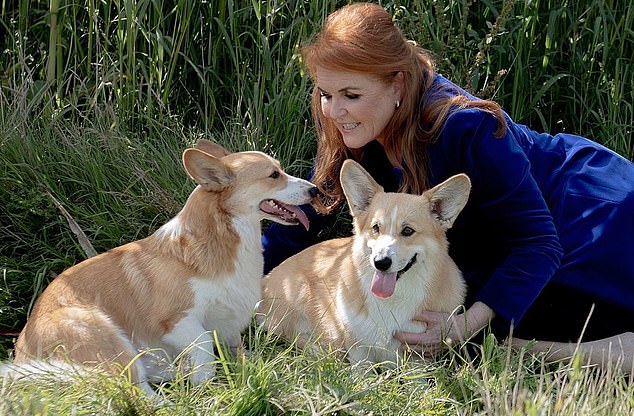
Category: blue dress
[547,233]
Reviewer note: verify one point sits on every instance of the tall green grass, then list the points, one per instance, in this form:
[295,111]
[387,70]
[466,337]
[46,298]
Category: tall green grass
[557,66]
[213,63]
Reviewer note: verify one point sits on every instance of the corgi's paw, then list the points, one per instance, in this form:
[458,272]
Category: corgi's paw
[413,326]
[202,373]
[243,352]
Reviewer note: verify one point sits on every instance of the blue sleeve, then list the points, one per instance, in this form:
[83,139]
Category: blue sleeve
[282,241]
[509,201]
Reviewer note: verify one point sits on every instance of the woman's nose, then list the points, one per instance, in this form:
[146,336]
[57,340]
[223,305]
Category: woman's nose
[333,108]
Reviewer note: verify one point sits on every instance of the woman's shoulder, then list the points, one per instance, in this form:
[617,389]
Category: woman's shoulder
[443,85]
[460,118]
[469,123]
[469,141]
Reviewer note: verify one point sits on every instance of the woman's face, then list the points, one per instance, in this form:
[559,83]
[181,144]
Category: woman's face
[359,104]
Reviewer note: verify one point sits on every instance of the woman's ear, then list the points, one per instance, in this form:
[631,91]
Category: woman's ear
[398,85]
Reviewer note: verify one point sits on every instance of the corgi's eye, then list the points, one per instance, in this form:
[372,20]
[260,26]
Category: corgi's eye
[275,174]
[376,228]
[407,231]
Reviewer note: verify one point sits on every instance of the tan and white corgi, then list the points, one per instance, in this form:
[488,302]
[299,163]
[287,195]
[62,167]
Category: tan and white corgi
[352,294]
[145,303]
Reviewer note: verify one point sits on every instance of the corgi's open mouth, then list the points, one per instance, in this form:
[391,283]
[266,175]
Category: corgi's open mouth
[384,283]
[407,266]
[281,212]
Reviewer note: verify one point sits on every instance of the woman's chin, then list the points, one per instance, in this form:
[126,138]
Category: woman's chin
[353,142]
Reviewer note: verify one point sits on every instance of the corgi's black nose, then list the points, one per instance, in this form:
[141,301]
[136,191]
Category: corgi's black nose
[313,191]
[383,264]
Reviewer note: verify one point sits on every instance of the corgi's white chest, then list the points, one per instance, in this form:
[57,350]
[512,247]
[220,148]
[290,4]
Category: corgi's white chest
[383,318]
[227,303]
[225,306]
[374,328]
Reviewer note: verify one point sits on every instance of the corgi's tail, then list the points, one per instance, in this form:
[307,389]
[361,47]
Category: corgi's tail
[39,370]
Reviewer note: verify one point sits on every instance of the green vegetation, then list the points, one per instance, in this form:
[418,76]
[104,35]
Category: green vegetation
[98,100]
[277,379]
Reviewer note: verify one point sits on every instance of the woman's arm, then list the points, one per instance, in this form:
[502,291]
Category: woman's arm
[506,221]
[279,242]
[507,232]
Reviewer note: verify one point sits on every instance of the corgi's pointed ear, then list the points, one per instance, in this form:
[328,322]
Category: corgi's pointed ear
[206,170]
[212,148]
[448,198]
[358,186]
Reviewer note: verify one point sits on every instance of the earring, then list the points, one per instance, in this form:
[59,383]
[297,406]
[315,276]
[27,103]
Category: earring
[397,104]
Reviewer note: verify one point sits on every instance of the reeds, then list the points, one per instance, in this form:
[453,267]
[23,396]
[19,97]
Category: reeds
[557,66]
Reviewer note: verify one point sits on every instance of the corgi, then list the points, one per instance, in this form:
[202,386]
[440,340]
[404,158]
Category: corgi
[139,306]
[352,294]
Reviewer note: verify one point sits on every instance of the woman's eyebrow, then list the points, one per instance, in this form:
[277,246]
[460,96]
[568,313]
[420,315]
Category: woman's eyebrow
[344,89]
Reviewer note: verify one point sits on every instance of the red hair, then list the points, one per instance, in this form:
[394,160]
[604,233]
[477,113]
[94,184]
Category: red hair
[361,37]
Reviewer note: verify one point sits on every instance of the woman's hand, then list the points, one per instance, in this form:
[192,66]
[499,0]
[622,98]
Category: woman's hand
[444,328]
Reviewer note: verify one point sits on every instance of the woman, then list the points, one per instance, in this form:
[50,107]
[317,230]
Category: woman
[546,240]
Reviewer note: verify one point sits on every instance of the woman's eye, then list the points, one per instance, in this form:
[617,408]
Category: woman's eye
[352,96]
[407,231]
[324,95]
[274,175]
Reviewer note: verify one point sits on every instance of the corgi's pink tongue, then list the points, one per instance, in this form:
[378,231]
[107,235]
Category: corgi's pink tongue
[299,214]
[287,213]
[383,284]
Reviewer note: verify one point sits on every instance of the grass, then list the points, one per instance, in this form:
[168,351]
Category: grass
[97,105]
[276,378]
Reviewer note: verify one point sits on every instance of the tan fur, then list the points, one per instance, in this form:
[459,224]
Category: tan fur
[323,293]
[201,272]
